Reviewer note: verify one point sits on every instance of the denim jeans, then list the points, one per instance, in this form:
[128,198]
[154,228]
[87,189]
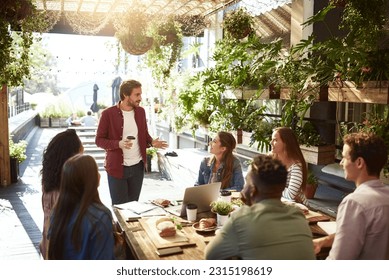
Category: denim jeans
[129,187]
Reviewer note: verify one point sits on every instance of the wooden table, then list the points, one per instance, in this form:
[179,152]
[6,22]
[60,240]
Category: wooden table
[143,248]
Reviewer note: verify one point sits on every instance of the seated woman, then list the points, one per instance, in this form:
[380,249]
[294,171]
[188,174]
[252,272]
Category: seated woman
[63,146]
[81,226]
[222,166]
[285,147]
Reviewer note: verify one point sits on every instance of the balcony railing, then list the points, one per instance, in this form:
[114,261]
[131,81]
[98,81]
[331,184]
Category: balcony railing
[15,110]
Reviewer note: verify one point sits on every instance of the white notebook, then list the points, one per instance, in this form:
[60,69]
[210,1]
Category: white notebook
[328,227]
[136,206]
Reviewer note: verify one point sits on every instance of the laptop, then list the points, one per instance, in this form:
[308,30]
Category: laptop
[201,195]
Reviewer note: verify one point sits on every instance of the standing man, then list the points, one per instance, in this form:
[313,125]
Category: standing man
[362,223]
[125,159]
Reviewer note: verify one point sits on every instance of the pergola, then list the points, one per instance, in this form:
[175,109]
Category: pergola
[97,17]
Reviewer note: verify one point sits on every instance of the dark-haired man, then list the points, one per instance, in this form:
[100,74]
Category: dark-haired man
[264,228]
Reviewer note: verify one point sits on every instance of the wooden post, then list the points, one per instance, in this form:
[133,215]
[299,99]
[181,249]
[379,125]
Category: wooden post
[5,173]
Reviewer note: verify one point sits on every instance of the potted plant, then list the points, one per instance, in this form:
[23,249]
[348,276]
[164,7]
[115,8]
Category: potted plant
[238,23]
[150,153]
[17,154]
[311,186]
[315,150]
[222,209]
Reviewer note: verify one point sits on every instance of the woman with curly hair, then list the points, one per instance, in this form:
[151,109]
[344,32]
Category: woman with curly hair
[63,146]
[222,166]
[81,227]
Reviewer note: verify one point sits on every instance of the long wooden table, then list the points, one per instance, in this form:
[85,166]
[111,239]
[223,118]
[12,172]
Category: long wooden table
[143,248]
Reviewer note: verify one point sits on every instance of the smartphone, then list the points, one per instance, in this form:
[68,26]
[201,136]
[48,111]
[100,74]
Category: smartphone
[130,137]
[169,251]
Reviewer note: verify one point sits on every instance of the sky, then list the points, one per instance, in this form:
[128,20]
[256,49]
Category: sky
[81,58]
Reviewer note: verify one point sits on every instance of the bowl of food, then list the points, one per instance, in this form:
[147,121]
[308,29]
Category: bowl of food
[205,225]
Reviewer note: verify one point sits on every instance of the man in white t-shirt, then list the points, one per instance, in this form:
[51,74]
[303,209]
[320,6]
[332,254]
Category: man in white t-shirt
[122,132]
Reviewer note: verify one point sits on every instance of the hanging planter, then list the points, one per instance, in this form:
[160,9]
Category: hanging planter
[192,26]
[133,32]
[238,23]
[166,49]
[135,44]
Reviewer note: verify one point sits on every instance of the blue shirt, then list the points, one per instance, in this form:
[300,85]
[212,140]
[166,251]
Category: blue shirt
[205,174]
[97,241]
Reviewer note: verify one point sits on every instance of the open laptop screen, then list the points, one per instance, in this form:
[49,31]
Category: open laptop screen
[201,195]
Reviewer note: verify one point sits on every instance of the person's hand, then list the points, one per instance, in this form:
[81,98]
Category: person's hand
[325,241]
[125,144]
[160,144]
[317,244]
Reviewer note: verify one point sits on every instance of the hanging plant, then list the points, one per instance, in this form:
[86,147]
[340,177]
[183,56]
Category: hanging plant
[193,25]
[135,44]
[18,20]
[168,32]
[133,32]
[167,48]
[16,11]
[238,23]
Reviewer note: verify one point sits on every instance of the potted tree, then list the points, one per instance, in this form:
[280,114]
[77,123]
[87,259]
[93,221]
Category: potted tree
[222,209]
[17,154]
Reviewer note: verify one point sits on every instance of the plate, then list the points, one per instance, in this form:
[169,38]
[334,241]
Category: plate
[208,229]
[155,202]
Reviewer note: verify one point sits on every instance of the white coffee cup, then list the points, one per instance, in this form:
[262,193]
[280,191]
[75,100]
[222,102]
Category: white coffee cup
[191,212]
[225,195]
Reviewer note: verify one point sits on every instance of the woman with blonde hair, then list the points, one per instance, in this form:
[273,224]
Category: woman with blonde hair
[80,226]
[286,148]
[222,166]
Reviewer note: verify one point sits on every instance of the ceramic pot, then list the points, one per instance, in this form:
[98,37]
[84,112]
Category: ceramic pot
[221,219]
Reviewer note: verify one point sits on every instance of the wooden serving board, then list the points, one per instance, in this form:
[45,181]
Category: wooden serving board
[180,239]
[314,217]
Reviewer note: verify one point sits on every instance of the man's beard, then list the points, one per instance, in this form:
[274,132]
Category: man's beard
[133,104]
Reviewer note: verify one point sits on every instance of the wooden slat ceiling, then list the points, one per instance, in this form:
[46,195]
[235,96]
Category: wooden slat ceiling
[272,23]
[165,7]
